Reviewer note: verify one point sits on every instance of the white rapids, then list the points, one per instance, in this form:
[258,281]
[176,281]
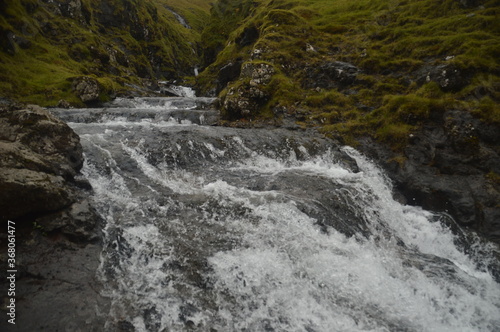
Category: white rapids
[222,229]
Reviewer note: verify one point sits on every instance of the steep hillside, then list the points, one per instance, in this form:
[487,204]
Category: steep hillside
[48,46]
[342,60]
[414,83]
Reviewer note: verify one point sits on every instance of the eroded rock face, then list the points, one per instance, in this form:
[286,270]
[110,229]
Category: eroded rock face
[228,73]
[450,166]
[39,158]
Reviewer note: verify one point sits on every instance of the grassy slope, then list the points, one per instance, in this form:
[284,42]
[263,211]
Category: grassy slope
[59,46]
[389,41]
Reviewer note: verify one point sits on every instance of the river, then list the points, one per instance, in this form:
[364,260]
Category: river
[212,228]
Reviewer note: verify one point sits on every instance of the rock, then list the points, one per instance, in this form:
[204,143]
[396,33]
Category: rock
[260,73]
[330,75]
[248,36]
[39,158]
[9,42]
[447,76]
[57,239]
[63,104]
[447,169]
[71,8]
[56,271]
[228,73]
[78,222]
[87,89]
[245,100]
[469,3]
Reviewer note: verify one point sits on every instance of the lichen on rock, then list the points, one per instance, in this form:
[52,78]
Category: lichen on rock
[87,89]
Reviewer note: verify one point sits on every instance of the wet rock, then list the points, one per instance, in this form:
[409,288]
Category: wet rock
[447,169]
[39,157]
[87,89]
[78,222]
[56,286]
[330,75]
[57,251]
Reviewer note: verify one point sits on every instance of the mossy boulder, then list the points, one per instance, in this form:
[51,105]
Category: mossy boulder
[246,98]
[87,89]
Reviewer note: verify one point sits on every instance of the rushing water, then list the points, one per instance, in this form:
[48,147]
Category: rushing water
[222,229]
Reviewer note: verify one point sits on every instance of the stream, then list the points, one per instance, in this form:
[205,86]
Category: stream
[212,228]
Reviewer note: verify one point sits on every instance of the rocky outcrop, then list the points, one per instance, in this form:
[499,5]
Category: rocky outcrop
[449,77]
[56,228]
[330,75]
[246,99]
[450,166]
[228,73]
[87,89]
[39,159]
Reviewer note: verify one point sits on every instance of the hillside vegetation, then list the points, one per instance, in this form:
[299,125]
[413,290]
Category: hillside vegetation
[356,66]
[47,45]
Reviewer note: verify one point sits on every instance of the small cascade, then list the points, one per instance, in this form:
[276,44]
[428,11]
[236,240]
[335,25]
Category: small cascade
[224,229]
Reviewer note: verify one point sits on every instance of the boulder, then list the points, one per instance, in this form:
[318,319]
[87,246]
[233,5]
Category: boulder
[87,89]
[39,159]
[246,98]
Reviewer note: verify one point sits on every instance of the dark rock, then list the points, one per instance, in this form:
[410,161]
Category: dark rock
[9,42]
[228,73]
[87,89]
[78,222]
[470,3]
[248,36]
[56,286]
[330,75]
[39,157]
[56,263]
[71,8]
[446,169]
[447,76]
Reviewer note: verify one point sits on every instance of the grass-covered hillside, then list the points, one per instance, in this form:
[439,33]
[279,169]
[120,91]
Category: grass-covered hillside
[356,67]
[46,45]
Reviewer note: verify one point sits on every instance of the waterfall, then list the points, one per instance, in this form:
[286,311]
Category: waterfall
[223,229]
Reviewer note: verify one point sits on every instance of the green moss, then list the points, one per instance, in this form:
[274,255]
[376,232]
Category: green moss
[393,43]
[59,47]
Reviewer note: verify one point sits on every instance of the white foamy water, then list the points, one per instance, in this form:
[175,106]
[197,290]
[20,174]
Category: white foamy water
[207,230]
